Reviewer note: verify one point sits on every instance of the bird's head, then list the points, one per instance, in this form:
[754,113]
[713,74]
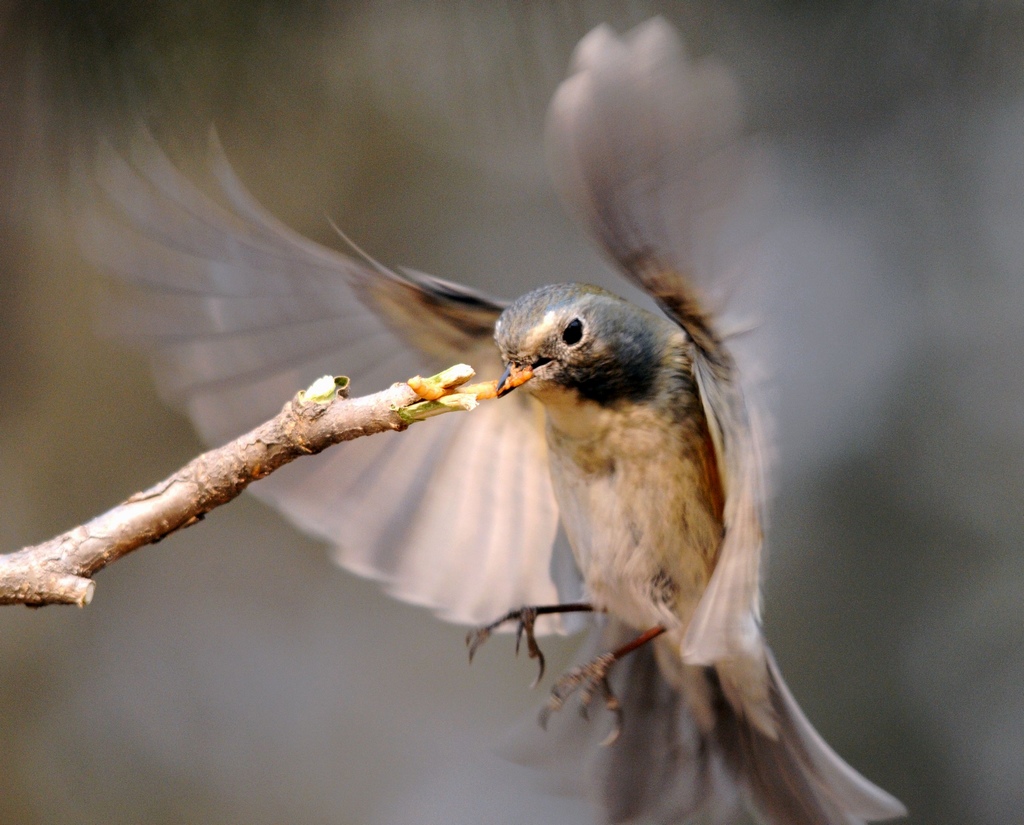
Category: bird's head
[583,339]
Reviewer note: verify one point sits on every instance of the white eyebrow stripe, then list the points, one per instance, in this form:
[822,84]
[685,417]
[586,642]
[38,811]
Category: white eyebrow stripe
[537,335]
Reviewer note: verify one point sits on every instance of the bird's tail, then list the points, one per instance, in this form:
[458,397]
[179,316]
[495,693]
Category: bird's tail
[666,767]
[796,777]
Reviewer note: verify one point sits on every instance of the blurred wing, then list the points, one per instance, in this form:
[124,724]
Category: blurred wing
[726,623]
[644,147]
[240,312]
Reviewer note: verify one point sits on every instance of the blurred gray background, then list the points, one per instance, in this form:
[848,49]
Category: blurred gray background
[232,674]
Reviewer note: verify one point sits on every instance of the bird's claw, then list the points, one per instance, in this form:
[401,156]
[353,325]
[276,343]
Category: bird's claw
[525,618]
[477,637]
[589,679]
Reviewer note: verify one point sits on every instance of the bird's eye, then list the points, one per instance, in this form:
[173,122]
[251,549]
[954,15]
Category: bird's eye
[573,332]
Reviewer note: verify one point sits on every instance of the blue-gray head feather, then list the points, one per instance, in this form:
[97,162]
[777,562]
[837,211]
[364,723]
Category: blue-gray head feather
[584,338]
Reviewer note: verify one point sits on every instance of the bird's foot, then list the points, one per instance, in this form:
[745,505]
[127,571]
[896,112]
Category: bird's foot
[589,679]
[525,617]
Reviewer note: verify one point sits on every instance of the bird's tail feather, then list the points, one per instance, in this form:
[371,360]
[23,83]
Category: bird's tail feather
[795,777]
[666,768]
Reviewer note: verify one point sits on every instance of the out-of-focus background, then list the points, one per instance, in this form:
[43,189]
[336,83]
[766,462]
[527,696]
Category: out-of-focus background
[232,674]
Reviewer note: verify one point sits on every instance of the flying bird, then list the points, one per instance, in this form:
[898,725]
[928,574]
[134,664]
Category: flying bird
[647,450]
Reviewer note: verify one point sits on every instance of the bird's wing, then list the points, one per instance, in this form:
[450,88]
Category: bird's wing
[239,312]
[644,147]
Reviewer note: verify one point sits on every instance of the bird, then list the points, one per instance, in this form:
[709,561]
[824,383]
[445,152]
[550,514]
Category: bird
[646,448]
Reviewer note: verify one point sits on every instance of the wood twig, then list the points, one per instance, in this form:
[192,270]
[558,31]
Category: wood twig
[60,570]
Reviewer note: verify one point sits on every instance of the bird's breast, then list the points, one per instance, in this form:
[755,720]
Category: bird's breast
[632,486]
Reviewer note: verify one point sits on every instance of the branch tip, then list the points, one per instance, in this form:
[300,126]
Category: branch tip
[436,386]
[422,410]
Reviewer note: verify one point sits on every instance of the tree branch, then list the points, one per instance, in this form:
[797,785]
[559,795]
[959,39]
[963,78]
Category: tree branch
[60,571]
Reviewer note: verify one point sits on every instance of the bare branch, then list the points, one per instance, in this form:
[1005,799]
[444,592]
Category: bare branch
[60,571]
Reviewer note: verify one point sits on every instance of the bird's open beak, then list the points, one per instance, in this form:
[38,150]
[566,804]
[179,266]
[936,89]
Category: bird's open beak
[513,376]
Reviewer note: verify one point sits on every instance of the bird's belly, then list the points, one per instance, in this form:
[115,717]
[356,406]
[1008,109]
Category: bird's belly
[643,534]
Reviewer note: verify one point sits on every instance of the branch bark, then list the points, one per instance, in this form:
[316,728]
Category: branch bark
[60,571]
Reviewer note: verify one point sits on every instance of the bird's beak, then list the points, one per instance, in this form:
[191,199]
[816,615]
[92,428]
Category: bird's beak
[512,377]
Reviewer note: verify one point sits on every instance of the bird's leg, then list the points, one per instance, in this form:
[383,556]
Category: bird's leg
[524,617]
[591,678]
